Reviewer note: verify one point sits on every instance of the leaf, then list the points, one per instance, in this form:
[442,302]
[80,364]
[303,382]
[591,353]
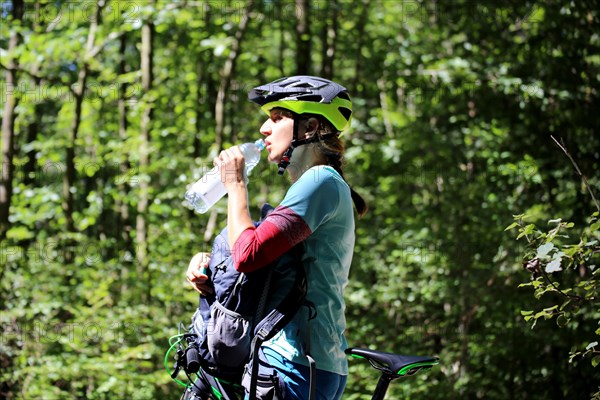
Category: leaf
[524,313]
[534,324]
[19,233]
[511,226]
[545,249]
[528,230]
[595,361]
[591,345]
[553,266]
[562,321]
[549,309]
[537,283]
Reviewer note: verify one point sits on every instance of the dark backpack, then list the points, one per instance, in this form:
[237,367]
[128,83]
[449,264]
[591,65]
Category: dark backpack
[245,310]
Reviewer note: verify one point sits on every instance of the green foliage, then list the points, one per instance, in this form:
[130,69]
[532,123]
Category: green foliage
[454,105]
[565,278]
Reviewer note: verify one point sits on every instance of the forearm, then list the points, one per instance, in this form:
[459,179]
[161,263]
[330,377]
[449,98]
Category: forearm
[279,232]
[238,216]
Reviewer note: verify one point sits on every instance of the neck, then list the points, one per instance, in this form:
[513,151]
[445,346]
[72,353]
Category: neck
[303,158]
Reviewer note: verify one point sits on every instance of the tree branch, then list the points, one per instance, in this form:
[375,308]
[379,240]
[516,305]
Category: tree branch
[96,50]
[585,181]
[556,289]
[37,76]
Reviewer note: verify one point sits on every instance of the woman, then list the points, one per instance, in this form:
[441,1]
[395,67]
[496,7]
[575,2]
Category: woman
[306,116]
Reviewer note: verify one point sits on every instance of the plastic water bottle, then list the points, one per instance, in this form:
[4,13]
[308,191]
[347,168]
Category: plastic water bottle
[209,189]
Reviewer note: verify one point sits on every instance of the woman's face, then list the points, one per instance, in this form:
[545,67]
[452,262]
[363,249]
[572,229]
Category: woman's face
[279,132]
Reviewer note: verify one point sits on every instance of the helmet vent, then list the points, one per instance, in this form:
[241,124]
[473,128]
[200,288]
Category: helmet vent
[346,112]
[344,96]
[311,97]
[302,85]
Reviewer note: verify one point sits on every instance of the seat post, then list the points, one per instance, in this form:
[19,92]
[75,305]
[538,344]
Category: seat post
[382,387]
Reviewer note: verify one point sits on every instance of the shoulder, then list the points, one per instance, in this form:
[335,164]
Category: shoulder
[317,195]
[322,178]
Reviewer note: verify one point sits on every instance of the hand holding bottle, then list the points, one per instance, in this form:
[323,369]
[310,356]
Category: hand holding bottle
[196,273]
[212,186]
[231,162]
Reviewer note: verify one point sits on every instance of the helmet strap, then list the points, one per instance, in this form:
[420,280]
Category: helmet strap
[287,156]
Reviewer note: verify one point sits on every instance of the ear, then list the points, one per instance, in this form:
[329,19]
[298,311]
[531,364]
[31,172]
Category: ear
[311,127]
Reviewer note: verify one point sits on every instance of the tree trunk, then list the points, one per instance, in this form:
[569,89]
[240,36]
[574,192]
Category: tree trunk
[8,125]
[124,227]
[329,39]
[303,55]
[78,93]
[204,88]
[32,130]
[201,95]
[8,134]
[385,109]
[281,52]
[364,16]
[124,165]
[227,73]
[143,201]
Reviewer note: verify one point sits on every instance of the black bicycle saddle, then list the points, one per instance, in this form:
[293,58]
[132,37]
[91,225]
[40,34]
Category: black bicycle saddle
[393,364]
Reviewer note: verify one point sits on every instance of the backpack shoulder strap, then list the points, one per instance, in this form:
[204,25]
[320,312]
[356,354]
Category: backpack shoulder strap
[312,364]
[274,322]
[262,303]
[281,315]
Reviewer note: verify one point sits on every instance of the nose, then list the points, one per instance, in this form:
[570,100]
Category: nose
[265,129]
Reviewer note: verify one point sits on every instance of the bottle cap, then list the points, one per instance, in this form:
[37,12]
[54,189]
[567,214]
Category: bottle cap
[260,144]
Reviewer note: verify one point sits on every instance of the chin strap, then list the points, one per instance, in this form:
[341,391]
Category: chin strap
[287,156]
[285,160]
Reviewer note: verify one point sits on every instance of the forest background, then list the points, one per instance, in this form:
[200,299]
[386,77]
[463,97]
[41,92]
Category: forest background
[470,117]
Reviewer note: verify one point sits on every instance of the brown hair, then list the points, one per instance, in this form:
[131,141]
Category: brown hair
[333,149]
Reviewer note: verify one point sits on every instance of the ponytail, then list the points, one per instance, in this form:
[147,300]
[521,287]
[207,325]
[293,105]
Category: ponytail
[333,148]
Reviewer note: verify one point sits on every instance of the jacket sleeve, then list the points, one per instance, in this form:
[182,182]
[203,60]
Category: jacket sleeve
[308,203]
[278,233]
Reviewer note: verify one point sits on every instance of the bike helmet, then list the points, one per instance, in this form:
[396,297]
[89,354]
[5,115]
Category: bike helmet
[305,95]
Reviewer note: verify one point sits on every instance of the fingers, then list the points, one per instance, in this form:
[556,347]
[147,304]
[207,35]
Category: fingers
[196,273]
[228,155]
[203,289]
[197,276]
[197,267]
[230,160]
[231,153]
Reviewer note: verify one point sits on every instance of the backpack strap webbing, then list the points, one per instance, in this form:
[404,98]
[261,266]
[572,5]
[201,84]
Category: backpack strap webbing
[274,322]
[312,364]
[262,303]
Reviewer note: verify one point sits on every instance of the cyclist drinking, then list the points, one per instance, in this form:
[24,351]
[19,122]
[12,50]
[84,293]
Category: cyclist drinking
[306,115]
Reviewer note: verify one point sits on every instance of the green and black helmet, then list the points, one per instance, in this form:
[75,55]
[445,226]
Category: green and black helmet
[305,95]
